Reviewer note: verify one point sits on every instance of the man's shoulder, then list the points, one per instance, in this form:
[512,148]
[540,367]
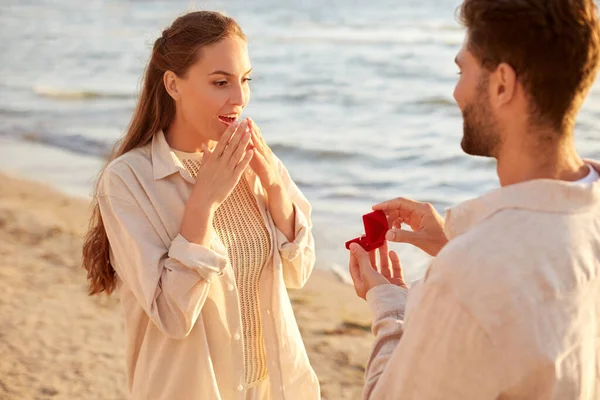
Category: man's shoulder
[489,240]
[506,234]
[484,267]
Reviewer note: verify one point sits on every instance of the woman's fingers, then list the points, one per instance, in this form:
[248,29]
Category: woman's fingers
[239,152]
[243,164]
[206,153]
[255,129]
[255,142]
[239,135]
[257,139]
[224,141]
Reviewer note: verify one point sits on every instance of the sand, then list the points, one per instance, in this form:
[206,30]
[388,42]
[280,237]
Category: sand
[56,342]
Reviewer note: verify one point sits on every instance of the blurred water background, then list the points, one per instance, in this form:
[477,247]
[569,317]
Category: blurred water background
[355,97]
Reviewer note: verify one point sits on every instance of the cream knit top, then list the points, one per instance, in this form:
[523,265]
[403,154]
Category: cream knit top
[241,228]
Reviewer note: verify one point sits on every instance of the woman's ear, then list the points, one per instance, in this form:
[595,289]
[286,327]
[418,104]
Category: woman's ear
[171,84]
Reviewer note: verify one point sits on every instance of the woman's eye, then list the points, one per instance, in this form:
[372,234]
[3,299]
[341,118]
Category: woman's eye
[247,80]
[221,83]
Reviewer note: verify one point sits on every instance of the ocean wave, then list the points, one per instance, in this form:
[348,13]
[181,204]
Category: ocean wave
[82,144]
[414,35]
[75,143]
[436,101]
[78,94]
[13,113]
[444,161]
[285,150]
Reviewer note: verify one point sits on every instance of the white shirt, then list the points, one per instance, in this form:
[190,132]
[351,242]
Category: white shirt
[507,310]
[180,300]
[591,177]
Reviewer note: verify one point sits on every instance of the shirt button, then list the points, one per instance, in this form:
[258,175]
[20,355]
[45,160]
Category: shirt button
[268,311]
[236,336]
[240,388]
[230,287]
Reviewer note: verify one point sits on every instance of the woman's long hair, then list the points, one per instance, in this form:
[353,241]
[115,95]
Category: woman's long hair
[176,50]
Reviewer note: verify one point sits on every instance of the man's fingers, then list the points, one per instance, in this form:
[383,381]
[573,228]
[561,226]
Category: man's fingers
[384,261]
[400,203]
[404,236]
[396,266]
[397,276]
[355,270]
[362,257]
[373,259]
[369,275]
[398,282]
[393,217]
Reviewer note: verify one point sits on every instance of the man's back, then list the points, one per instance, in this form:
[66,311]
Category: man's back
[510,306]
[525,262]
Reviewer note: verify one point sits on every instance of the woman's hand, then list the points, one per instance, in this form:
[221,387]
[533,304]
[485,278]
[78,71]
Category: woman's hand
[264,165]
[222,168]
[426,224]
[218,175]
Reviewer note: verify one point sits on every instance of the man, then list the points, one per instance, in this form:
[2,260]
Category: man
[510,306]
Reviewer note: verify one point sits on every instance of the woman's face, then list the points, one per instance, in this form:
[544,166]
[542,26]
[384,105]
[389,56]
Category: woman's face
[215,90]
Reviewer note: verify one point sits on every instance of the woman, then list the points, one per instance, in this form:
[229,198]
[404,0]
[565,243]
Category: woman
[201,230]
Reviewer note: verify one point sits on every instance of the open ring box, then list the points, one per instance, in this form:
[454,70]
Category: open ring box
[376,226]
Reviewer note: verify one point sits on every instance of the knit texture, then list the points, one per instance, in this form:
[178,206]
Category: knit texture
[241,228]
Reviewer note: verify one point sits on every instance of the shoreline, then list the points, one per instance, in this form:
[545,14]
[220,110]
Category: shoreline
[57,342]
[76,182]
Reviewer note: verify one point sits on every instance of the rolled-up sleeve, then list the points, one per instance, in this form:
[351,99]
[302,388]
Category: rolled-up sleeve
[297,256]
[290,250]
[438,352]
[207,262]
[169,280]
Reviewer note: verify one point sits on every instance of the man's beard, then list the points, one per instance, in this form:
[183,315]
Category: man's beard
[481,136]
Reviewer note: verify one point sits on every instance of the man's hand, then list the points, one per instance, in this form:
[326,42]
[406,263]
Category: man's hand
[426,224]
[365,273]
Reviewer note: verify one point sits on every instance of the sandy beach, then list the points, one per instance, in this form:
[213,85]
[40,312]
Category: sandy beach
[56,342]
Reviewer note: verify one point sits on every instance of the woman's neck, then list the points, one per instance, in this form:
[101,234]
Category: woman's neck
[183,137]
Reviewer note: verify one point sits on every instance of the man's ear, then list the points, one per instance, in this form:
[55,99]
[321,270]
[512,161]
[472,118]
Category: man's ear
[504,84]
[171,84]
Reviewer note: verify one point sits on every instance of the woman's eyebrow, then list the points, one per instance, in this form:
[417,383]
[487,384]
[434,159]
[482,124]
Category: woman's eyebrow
[219,72]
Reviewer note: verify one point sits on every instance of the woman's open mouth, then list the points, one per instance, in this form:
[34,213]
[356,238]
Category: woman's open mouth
[227,119]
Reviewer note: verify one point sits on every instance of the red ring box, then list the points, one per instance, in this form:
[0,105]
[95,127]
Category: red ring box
[376,226]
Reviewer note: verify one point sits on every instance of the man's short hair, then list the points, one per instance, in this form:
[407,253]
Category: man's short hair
[553,45]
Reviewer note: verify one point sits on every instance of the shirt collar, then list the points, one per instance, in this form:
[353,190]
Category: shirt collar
[164,161]
[543,195]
